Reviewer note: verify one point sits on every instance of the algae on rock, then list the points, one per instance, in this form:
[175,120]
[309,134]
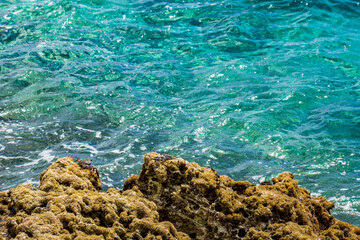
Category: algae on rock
[68,205]
[205,205]
[170,199]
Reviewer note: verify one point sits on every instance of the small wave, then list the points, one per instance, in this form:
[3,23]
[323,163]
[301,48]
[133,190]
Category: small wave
[251,88]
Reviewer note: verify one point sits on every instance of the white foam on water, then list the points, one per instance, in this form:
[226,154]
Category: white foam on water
[118,160]
[347,205]
[44,155]
[85,129]
[200,134]
[258,177]
[110,167]
[78,146]
[130,166]
[32,182]
[47,155]
[315,194]
[126,149]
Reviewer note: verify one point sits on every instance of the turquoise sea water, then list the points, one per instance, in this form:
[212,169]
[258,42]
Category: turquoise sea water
[250,88]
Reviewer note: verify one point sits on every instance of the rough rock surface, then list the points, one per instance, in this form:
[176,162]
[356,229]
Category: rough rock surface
[68,205]
[205,205]
[171,199]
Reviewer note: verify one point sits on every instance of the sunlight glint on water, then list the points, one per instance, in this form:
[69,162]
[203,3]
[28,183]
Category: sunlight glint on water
[250,88]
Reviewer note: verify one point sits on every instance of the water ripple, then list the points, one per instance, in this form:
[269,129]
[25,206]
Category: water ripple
[251,88]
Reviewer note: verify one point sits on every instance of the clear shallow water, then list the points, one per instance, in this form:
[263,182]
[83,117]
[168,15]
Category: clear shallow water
[250,88]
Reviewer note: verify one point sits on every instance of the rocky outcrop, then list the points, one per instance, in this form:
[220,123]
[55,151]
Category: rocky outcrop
[170,199]
[206,205]
[68,205]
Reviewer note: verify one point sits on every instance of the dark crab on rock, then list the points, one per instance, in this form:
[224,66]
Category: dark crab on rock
[86,164]
[164,157]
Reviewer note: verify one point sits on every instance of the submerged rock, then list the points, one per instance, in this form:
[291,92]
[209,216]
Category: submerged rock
[171,199]
[206,205]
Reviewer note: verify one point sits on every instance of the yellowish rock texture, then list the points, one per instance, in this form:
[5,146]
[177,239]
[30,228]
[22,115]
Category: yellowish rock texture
[205,205]
[171,199]
[68,205]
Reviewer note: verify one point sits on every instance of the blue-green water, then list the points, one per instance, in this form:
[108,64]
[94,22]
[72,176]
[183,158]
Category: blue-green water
[250,88]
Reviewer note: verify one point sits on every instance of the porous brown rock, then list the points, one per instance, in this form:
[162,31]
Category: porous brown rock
[69,205]
[206,205]
[64,174]
[170,199]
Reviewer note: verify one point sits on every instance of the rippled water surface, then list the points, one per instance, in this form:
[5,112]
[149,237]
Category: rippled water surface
[250,88]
